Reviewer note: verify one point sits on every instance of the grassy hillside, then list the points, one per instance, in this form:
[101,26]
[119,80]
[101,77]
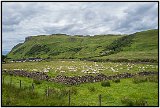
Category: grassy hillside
[140,46]
[61,46]
[144,46]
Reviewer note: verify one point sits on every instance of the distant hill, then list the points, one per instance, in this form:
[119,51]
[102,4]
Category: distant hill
[140,45]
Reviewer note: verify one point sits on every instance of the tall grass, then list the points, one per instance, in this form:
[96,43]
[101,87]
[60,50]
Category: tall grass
[13,96]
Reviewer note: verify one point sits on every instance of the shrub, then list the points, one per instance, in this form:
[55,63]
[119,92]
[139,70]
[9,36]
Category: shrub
[133,102]
[141,102]
[139,79]
[37,81]
[116,80]
[91,89]
[105,84]
[127,101]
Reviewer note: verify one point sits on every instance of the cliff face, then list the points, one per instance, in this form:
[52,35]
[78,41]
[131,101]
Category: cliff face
[28,38]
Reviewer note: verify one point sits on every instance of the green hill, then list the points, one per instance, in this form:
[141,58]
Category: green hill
[62,46]
[140,45]
[144,46]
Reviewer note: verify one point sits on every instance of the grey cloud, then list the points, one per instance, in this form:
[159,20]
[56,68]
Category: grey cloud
[139,18]
[20,20]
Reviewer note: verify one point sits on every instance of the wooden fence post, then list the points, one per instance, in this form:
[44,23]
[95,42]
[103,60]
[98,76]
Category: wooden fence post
[69,98]
[100,97]
[20,83]
[47,91]
[32,87]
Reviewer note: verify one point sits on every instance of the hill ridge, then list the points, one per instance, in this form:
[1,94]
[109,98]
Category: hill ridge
[63,46]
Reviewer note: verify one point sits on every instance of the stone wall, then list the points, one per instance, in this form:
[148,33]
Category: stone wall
[75,80]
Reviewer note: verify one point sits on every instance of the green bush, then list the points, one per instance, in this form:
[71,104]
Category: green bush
[133,102]
[105,84]
[116,80]
[91,89]
[127,101]
[37,81]
[141,102]
[139,79]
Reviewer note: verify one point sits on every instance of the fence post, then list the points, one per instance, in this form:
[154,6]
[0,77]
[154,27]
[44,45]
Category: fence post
[20,83]
[100,99]
[69,98]
[47,91]
[32,87]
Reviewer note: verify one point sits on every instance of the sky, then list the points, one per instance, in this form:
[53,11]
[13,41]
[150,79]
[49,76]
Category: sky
[23,19]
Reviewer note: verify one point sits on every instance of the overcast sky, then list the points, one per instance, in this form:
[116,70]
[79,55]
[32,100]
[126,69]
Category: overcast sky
[23,19]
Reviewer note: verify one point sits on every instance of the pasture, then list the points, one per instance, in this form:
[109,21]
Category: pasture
[127,92]
[76,67]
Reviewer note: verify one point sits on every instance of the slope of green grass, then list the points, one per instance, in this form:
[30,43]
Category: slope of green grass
[144,41]
[144,46]
[62,46]
[138,46]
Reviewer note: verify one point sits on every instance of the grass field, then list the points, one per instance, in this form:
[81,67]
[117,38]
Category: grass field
[81,95]
[84,94]
[74,68]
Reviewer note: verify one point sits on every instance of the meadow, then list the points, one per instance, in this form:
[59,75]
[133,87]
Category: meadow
[81,95]
[77,67]
[126,92]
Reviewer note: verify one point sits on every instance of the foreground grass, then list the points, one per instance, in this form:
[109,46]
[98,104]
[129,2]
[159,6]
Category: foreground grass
[83,95]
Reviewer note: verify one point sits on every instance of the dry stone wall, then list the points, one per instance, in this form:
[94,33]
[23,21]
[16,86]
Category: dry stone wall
[74,80]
